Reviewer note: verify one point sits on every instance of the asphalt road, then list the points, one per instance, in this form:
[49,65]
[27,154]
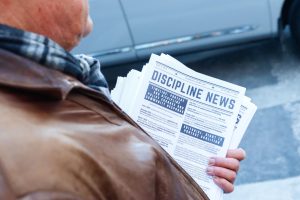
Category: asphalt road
[270,71]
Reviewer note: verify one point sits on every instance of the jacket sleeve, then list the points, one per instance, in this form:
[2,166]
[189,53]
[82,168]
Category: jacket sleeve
[5,189]
[50,195]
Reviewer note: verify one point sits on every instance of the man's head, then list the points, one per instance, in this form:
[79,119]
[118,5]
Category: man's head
[64,21]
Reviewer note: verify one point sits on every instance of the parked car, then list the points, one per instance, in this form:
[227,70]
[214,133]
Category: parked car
[131,30]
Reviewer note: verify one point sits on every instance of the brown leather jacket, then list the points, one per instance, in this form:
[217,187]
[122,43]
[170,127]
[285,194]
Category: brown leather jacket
[62,140]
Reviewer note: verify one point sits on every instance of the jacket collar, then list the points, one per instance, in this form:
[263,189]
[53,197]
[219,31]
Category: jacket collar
[21,73]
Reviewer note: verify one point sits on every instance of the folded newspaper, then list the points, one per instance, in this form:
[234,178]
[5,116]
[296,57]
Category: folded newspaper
[191,115]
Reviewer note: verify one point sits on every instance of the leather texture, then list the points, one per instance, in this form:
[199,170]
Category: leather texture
[61,140]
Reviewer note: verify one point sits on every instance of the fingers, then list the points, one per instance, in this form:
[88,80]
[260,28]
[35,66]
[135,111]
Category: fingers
[238,154]
[228,163]
[224,170]
[224,184]
[227,174]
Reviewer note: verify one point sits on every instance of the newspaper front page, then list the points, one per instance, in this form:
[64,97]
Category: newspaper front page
[191,115]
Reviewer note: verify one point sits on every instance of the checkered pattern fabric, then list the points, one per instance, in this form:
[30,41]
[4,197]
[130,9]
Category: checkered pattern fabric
[49,54]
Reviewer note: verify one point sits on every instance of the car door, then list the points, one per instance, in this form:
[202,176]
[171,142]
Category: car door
[110,40]
[178,25]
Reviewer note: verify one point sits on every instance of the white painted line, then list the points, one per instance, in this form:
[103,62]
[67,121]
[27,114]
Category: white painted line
[284,189]
[287,90]
[275,95]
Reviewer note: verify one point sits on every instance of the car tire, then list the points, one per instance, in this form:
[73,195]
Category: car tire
[294,21]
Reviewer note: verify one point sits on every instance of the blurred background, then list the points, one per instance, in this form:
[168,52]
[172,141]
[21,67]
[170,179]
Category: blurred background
[252,43]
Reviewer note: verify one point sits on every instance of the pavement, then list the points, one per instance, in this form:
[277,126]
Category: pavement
[270,71]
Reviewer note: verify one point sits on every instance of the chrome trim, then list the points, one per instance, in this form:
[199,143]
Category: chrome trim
[112,52]
[200,36]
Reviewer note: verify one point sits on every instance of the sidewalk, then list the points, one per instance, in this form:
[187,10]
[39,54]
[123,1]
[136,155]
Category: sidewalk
[285,189]
[271,73]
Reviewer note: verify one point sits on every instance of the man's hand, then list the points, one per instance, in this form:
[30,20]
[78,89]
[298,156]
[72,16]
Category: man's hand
[224,170]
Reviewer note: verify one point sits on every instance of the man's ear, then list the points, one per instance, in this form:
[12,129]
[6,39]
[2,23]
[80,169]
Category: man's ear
[5,188]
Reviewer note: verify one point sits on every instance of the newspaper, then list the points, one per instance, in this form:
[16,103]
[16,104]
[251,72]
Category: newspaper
[243,120]
[191,115]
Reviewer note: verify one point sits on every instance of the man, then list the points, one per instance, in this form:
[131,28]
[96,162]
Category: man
[61,137]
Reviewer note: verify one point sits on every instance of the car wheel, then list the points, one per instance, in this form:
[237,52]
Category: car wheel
[294,21]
